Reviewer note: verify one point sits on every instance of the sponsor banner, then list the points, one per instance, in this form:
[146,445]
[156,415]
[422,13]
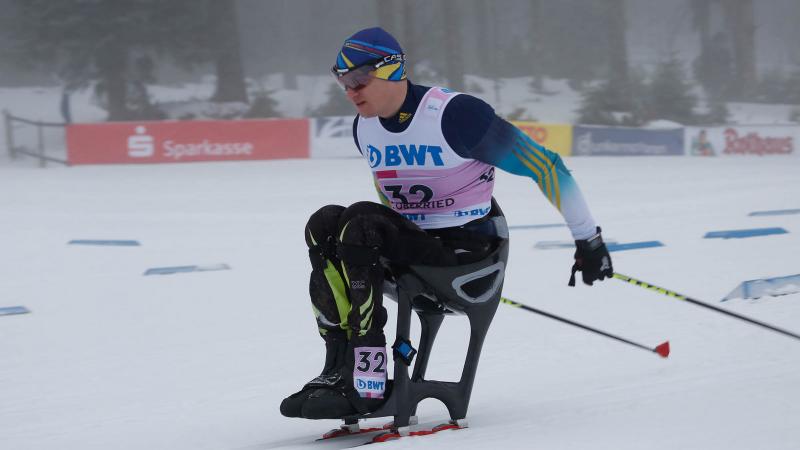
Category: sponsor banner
[187,141]
[621,141]
[554,137]
[738,140]
[332,137]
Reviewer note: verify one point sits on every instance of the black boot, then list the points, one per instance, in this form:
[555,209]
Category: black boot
[340,398]
[335,349]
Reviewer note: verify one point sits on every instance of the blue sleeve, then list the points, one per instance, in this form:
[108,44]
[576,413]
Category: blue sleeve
[474,131]
[465,121]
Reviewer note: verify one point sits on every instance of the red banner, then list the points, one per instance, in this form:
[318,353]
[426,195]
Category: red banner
[187,141]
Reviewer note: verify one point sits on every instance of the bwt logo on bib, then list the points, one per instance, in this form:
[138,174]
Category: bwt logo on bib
[370,385]
[410,155]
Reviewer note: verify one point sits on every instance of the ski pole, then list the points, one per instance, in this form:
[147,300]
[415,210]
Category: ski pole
[662,349]
[678,296]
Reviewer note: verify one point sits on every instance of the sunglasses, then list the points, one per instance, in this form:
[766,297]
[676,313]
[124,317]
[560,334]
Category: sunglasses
[357,77]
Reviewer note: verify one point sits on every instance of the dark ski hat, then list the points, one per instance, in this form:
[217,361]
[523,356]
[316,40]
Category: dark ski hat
[372,48]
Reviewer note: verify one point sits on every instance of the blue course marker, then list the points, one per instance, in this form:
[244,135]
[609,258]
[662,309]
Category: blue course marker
[738,234]
[118,243]
[613,247]
[536,227]
[549,245]
[11,310]
[185,269]
[777,212]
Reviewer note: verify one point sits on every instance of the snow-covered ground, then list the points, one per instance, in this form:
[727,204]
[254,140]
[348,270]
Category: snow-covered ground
[109,358]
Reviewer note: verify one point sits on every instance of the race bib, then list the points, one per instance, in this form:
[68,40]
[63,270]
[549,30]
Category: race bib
[369,371]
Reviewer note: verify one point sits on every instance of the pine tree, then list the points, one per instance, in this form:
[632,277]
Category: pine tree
[670,94]
[793,88]
[226,52]
[712,68]
[263,106]
[103,43]
[106,43]
[718,114]
[612,103]
[597,106]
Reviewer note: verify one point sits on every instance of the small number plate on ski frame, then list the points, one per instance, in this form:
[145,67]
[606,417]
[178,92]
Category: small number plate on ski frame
[369,372]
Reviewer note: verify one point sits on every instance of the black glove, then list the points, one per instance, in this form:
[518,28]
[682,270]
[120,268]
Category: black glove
[592,259]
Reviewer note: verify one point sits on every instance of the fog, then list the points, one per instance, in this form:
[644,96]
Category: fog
[736,50]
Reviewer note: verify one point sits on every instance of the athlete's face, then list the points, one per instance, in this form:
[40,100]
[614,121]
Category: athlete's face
[377,97]
[368,96]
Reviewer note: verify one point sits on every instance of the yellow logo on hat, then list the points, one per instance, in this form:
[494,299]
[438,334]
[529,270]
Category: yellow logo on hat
[405,116]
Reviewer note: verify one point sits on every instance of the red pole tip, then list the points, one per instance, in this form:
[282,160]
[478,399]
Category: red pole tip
[663,349]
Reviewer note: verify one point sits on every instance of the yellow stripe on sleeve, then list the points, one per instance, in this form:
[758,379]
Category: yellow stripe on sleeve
[555,195]
[538,168]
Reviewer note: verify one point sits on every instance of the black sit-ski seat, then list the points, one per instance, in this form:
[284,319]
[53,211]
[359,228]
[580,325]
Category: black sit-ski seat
[433,292]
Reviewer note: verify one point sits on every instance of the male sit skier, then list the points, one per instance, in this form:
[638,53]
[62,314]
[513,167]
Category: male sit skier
[432,153]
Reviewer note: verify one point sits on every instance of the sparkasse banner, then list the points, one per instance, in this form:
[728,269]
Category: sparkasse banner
[187,141]
[737,140]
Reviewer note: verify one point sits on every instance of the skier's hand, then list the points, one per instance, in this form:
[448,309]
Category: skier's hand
[592,260]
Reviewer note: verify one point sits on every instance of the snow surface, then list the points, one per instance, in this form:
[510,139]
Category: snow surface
[110,358]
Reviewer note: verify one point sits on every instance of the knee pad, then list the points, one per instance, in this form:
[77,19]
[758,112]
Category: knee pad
[323,223]
[361,239]
[320,234]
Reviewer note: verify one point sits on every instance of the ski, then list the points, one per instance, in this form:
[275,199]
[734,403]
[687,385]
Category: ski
[352,430]
[389,432]
[395,434]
